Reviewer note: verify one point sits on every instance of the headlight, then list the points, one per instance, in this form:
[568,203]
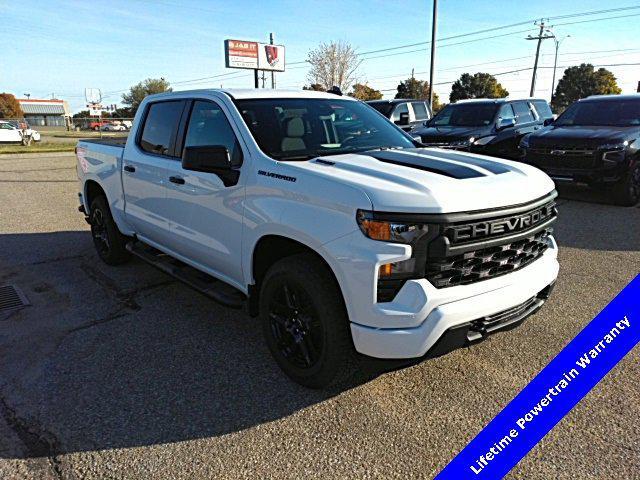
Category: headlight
[484,140]
[388,231]
[614,152]
[614,146]
[415,235]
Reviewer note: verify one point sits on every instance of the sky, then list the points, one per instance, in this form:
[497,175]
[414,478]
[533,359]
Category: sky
[60,47]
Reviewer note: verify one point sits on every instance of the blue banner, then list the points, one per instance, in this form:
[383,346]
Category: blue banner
[553,392]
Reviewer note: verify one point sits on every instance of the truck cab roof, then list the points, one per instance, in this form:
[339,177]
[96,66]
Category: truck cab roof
[256,93]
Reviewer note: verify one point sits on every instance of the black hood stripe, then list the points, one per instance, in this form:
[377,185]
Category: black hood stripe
[491,166]
[420,162]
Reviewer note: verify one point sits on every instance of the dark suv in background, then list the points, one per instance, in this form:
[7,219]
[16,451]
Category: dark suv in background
[405,113]
[486,126]
[595,141]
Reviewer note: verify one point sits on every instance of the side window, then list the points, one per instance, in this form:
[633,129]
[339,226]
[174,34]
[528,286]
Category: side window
[208,126]
[402,108]
[160,126]
[6,126]
[506,111]
[543,109]
[523,112]
[420,109]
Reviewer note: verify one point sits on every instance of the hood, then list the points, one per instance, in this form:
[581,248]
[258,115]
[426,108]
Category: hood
[581,136]
[450,134]
[431,180]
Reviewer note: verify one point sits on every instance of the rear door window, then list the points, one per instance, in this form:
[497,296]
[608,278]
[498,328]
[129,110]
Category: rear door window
[543,109]
[420,110]
[523,112]
[160,126]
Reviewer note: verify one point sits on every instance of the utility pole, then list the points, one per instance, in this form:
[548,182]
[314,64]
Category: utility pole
[273,74]
[433,52]
[256,83]
[540,37]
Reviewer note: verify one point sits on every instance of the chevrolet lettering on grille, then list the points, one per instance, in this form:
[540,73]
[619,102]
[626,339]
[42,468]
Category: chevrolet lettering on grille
[501,226]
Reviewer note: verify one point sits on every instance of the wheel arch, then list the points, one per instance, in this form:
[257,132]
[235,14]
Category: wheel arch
[271,248]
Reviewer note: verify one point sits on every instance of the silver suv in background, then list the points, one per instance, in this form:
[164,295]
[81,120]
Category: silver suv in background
[405,113]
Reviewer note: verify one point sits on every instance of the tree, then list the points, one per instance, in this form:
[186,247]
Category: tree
[418,89]
[138,92]
[362,91]
[479,85]
[582,81]
[9,106]
[333,64]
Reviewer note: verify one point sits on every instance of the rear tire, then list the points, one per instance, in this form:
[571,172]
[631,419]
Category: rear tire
[627,191]
[109,242]
[304,322]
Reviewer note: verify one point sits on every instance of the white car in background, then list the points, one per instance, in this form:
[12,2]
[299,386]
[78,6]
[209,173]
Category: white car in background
[10,132]
[112,127]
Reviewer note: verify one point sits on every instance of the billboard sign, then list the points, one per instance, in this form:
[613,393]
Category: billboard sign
[253,55]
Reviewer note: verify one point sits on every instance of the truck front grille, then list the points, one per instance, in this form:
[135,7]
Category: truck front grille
[486,263]
[562,158]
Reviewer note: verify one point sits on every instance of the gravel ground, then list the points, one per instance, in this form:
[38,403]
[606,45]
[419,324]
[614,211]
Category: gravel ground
[124,373]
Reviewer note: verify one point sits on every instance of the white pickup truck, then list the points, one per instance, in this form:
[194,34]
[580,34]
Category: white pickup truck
[325,220]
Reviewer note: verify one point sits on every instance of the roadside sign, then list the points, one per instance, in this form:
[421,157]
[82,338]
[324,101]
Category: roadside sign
[241,54]
[254,55]
[271,57]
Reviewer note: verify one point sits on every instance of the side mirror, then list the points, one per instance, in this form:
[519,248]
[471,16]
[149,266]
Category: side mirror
[404,119]
[548,121]
[428,122]
[506,123]
[211,159]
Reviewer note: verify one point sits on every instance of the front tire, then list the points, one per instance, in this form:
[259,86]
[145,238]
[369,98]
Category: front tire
[304,321]
[627,191]
[109,242]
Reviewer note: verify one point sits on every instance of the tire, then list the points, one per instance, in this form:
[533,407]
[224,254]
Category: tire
[304,322]
[627,192]
[109,242]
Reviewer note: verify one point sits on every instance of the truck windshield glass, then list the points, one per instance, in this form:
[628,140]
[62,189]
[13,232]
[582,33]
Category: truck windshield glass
[605,113]
[465,115]
[299,129]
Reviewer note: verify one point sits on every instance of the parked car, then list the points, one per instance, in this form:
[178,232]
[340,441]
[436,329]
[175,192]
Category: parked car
[112,127]
[324,220]
[405,113]
[15,131]
[485,126]
[595,141]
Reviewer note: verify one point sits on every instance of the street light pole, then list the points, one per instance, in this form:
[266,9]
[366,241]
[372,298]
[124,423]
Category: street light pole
[433,52]
[555,64]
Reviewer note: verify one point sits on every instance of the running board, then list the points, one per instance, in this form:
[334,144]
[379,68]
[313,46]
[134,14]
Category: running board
[213,288]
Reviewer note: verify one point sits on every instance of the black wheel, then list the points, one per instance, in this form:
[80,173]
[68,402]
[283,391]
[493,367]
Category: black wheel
[305,323]
[627,191]
[109,242]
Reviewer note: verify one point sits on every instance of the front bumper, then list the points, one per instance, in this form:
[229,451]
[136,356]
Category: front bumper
[420,314]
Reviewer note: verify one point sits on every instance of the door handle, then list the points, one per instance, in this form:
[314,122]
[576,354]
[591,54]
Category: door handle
[129,168]
[178,180]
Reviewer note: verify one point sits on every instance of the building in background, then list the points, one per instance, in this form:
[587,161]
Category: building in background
[45,113]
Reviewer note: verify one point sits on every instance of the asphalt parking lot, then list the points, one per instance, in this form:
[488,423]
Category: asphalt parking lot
[120,372]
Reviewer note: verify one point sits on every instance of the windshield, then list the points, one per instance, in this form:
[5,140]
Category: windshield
[299,129]
[465,115]
[606,113]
